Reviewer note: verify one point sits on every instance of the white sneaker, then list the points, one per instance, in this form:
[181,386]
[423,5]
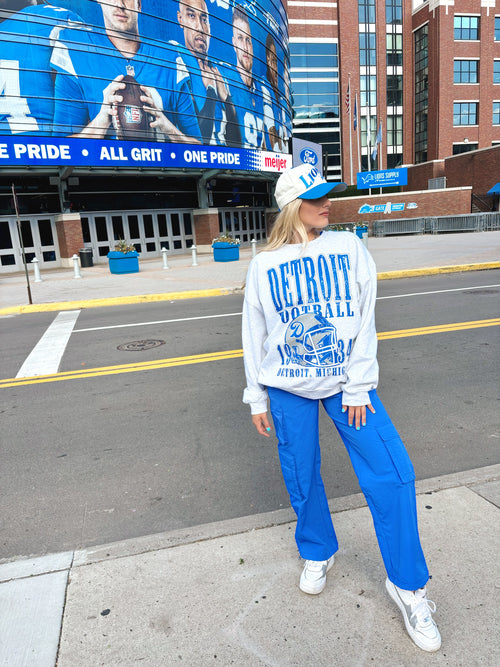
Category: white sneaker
[417,613]
[313,577]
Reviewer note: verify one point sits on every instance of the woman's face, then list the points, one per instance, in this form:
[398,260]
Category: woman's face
[314,214]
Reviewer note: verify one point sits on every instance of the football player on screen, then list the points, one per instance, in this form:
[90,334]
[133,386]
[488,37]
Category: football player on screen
[246,92]
[275,104]
[26,84]
[112,77]
[210,93]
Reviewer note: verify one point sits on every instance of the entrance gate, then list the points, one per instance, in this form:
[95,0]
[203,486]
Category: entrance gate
[39,238]
[149,231]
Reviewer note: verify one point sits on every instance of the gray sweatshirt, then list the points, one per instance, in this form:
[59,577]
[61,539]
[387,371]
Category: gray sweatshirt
[309,321]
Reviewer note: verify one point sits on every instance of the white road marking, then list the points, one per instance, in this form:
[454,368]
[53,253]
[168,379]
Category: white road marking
[209,317]
[145,324]
[46,356]
[439,291]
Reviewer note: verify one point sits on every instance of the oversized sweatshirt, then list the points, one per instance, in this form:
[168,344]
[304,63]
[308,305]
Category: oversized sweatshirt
[309,321]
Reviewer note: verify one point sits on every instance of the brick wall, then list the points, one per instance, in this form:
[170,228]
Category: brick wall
[206,226]
[69,234]
[479,169]
[429,203]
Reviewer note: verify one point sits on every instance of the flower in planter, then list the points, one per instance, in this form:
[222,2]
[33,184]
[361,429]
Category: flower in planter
[124,247]
[225,238]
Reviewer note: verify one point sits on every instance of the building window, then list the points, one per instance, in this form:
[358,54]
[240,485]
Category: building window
[394,130]
[497,28]
[315,88]
[314,79]
[421,93]
[394,44]
[394,11]
[463,148]
[366,11]
[394,160]
[394,91]
[367,49]
[315,99]
[465,71]
[321,55]
[496,113]
[368,91]
[465,113]
[496,71]
[466,27]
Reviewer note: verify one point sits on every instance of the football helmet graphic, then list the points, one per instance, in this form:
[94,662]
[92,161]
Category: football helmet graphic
[311,340]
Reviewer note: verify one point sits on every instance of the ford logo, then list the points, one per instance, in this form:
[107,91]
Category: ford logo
[308,156]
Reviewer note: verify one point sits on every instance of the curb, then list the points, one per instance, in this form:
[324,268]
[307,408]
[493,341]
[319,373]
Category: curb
[197,294]
[115,301]
[435,270]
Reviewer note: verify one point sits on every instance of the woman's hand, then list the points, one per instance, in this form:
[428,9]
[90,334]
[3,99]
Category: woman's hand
[262,424]
[357,414]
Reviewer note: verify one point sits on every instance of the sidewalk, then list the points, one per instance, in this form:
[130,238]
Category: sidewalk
[227,593]
[398,256]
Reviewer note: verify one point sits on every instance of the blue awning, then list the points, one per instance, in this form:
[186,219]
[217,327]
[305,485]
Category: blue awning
[495,190]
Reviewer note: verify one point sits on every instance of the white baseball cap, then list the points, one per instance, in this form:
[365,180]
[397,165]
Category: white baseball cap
[303,182]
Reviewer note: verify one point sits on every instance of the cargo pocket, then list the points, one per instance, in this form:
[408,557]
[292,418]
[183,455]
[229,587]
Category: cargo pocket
[287,458]
[397,452]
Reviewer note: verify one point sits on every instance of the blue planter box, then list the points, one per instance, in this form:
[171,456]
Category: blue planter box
[120,262]
[226,252]
[361,231]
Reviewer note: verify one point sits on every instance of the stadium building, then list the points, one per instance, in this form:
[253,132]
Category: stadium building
[160,123]
[166,123]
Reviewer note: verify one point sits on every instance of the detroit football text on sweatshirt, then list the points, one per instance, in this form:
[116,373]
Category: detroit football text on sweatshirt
[309,321]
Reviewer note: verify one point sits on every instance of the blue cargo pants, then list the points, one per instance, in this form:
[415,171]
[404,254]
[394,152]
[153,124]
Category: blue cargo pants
[382,466]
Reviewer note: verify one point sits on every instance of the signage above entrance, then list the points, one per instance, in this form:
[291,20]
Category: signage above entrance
[382,179]
[57,151]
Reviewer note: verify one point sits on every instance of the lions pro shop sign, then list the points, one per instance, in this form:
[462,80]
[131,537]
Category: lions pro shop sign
[43,152]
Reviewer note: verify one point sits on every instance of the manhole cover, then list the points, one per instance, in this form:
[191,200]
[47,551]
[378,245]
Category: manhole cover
[139,345]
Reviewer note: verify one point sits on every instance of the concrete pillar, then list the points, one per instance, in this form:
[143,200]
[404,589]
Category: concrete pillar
[206,228]
[69,236]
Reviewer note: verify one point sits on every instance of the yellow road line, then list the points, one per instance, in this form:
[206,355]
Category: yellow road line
[439,328]
[220,356]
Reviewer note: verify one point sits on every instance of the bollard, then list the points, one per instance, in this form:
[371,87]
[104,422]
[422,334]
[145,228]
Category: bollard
[193,252]
[165,260]
[36,269]
[76,267]
[254,247]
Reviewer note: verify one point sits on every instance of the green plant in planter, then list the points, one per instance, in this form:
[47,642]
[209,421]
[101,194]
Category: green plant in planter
[124,258]
[123,246]
[225,238]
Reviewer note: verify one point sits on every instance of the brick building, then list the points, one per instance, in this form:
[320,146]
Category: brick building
[418,80]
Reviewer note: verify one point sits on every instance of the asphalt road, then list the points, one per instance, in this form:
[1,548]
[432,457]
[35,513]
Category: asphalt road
[163,441]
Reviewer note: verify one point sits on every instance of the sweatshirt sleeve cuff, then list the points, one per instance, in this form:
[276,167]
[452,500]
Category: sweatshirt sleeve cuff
[258,408]
[355,399]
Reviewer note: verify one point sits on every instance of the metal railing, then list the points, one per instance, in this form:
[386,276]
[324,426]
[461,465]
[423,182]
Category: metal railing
[472,222]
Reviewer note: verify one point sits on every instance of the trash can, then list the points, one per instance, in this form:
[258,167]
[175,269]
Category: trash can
[86,257]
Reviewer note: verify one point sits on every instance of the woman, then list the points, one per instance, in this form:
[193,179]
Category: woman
[309,337]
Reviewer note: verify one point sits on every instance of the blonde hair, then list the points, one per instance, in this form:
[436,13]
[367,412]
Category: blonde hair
[287,228]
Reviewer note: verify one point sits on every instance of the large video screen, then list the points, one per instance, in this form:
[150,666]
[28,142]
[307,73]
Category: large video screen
[208,74]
